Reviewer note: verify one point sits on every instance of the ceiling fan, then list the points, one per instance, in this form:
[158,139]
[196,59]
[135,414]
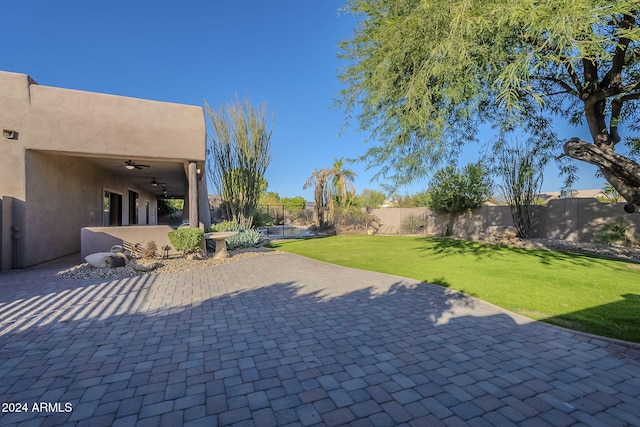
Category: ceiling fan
[156,183]
[130,164]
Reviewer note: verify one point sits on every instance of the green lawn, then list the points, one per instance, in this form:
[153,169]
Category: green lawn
[585,293]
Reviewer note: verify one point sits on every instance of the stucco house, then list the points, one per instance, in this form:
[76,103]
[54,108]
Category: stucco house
[80,170]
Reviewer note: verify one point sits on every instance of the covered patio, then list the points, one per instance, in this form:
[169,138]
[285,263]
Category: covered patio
[80,160]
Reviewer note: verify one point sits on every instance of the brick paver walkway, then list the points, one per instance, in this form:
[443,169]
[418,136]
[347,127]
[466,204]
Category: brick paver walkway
[284,340]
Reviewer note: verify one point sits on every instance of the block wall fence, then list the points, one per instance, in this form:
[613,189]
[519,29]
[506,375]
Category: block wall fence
[571,219]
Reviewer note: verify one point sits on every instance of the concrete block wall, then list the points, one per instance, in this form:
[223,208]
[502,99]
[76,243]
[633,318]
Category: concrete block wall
[572,219]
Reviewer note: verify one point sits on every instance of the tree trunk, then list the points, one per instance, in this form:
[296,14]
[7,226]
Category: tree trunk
[622,173]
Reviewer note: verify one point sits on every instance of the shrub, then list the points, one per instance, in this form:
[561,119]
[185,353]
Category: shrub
[150,250]
[618,232]
[412,225]
[261,219]
[453,191]
[188,240]
[226,226]
[244,239]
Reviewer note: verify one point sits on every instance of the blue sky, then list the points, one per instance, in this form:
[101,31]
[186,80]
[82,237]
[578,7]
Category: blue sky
[281,52]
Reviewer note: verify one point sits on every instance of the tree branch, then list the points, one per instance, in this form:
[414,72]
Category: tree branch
[621,172]
[618,62]
[559,82]
[572,75]
[603,94]
[590,75]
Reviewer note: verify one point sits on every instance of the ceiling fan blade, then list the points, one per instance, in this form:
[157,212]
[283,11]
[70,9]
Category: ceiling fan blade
[130,164]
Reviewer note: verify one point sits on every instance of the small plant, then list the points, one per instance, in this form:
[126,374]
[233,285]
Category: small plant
[226,226]
[618,232]
[246,237]
[150,250]
[188,240]
[412,224]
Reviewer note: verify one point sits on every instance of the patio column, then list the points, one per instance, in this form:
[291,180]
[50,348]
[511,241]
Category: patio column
[193,195]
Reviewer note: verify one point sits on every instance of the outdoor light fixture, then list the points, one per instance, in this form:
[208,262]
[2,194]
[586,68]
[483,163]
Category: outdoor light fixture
[9,134]
[130,167]
[154,182]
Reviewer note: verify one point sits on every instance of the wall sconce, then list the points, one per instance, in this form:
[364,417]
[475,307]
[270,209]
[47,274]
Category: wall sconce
[10,134]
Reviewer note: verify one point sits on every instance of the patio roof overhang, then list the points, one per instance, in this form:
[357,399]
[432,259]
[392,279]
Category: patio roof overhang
[166,178]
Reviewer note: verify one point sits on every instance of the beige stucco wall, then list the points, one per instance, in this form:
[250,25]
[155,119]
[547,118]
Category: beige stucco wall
[14,108]
[572,219]
[85,122]
[54,193]
[65,194]
[78,122]
[101,239]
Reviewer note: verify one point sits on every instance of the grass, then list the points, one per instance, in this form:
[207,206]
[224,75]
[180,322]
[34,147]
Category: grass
[585,293]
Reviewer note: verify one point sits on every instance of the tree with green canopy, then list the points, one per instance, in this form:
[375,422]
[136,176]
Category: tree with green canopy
[422,75]
[452,191]
[371,198]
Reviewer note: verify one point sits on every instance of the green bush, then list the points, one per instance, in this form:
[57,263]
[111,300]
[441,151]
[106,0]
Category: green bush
[412,225]
[453,191]
[261,219]
[226,226]
[618,232]
[187,239]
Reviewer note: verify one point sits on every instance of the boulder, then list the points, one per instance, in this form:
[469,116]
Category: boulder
[117,260]
[116,249]
[145,267]
[503,232]
[106,260]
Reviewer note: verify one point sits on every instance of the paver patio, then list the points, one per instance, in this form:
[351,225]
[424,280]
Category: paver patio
[285,340]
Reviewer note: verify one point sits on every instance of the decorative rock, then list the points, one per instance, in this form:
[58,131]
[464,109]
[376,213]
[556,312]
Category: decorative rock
[119,260]
[106,260]
[98,260]
[144,267]
[503,232]
[170,265]
[116,249]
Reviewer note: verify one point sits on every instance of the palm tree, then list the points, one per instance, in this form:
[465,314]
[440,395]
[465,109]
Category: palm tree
[342,182]
[335,183]
[323,197]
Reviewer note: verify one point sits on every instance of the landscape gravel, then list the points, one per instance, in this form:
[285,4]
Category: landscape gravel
[631,253]
[179,263]
[165,265]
